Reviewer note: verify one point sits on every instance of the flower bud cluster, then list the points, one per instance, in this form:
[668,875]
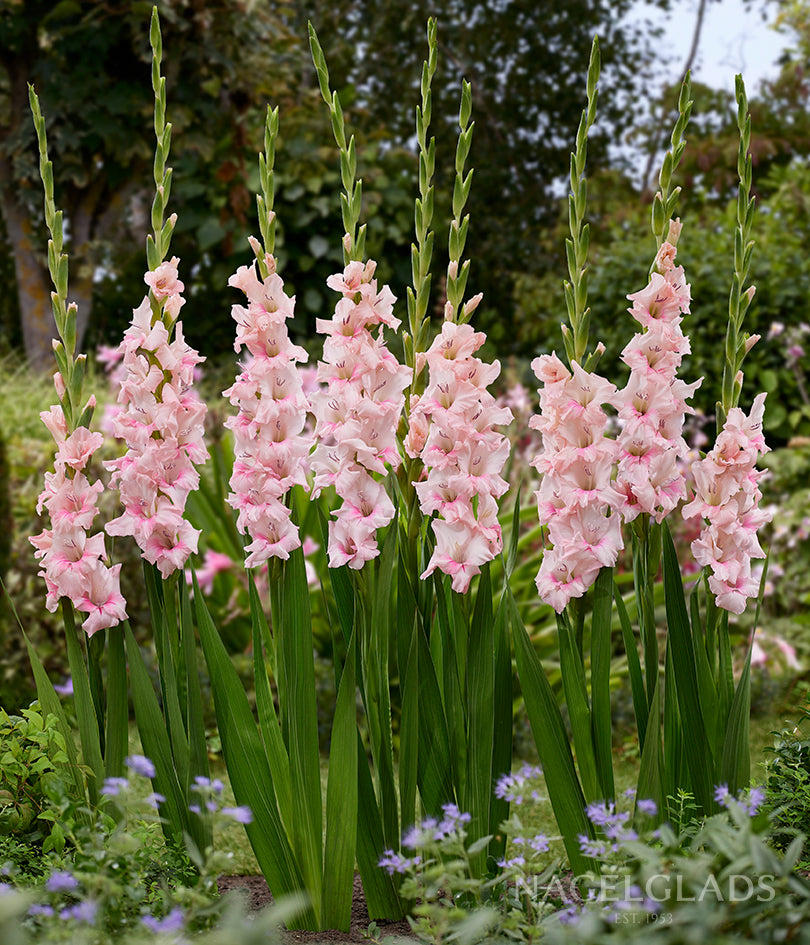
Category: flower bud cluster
[73,562]
[727,499]
[358,413]
[452,428]
[162,425]
[653,405]
[270,452]
[577,499]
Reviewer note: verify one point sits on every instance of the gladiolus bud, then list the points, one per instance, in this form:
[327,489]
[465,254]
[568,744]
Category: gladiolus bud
[472,304]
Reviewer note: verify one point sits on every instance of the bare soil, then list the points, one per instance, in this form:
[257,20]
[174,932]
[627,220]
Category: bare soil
[258,896]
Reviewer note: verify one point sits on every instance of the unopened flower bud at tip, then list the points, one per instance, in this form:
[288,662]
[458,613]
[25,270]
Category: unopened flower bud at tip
[472,304]
[675,227]
[59,384]
[452,269]
[751,341]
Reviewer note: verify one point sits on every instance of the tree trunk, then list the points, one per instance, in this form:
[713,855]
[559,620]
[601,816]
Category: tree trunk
[33,282]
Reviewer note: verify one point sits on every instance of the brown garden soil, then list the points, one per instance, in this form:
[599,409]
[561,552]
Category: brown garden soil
[258,896]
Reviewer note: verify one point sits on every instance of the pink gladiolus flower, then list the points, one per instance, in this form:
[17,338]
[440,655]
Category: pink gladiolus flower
[577,498]
[653,405]
[461,549]
[270,451]
[453,425]
[162,424]
[726,498]
[214,563]
[358,413]
[73,562]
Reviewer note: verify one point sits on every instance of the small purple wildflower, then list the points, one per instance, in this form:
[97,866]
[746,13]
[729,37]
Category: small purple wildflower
[195,808]
[592,848]
[61,881]
[173,922]
[397,863]
[604,814]
[39,909]
[214,785]
[6,889]
[112,787]
[516,787]
[569,916]
[539,843]
[722,794]
[81,912]
[242,815]
[451,824]
[65,688]
[515,861]
[756,797]
[421,834]
[141,765]
[154,799]
[648,806]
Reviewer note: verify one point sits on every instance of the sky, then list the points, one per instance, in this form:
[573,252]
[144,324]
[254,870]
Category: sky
[733,40]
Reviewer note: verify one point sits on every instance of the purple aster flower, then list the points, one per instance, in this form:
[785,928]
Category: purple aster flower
[756,797]
[516,787]
[173,922]
[569,916]
[61,881]
[722,794]
[648,806]
[412,838]
[6,889]
[242,815]
[397,863]
[515,861]
[592,848]
[195,808]
[112,787]
[65,688]
[141,765]
[539,843]
[39,909]
[81,912]
[603,814]
[154,799]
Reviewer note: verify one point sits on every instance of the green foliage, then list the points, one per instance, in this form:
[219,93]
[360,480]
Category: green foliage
[787,780]
[786,491]
[32,778]
[118,878]
[716,882]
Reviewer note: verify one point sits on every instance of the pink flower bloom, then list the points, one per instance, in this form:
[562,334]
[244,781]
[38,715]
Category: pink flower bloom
[727,497]
[163,281]
[162,424]
[653,405]
[454,423]
[461,549]
[73,562]
[101,599]
[270,452]
[357,413]
[214,563]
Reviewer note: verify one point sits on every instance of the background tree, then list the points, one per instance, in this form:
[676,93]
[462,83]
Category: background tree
[225,60]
